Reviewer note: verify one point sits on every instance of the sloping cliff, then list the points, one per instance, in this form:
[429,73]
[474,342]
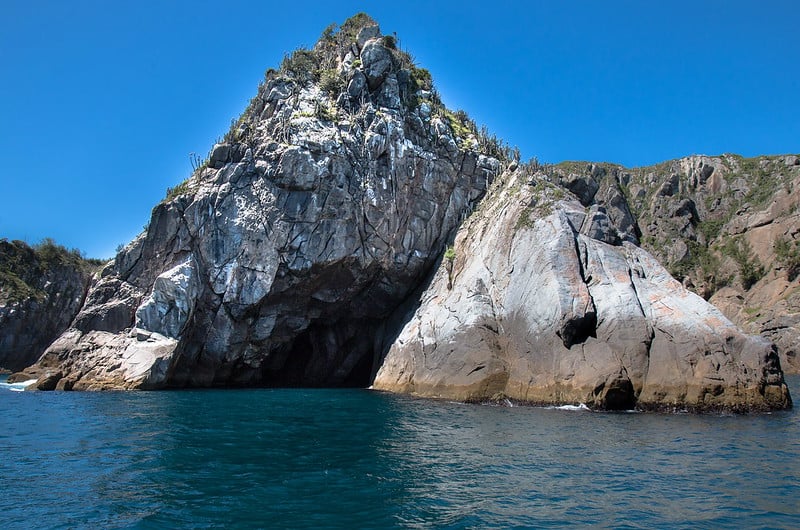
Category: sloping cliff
[727,227]
[543,301]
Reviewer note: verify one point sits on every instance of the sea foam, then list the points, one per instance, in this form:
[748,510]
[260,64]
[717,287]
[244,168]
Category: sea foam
[17,387]
[581,406]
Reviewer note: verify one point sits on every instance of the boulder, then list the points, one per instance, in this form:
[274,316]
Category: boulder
[377,61]
[219,155]
[583,186]
[171,302]
[366,33]
[597,225]
[356,86]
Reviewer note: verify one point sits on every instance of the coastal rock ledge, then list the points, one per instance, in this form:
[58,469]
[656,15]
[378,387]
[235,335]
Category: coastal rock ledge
[542,302]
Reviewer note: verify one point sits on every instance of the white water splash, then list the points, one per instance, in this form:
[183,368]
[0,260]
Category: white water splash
[17,387]
[579,407]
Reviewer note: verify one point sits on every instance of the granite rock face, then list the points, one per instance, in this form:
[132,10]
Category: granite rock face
[292,255]
[279,260]
[537,308]
[41,291]
[727,227]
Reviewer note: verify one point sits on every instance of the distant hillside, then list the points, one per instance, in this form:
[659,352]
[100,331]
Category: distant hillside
[42,288]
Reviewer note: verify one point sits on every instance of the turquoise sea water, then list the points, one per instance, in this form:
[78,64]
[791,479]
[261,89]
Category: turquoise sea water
[361,459]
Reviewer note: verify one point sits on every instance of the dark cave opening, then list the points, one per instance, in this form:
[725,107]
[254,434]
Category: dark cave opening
[339,355]
[577,329]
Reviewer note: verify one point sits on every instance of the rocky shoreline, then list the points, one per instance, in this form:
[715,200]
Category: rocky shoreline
[351,230]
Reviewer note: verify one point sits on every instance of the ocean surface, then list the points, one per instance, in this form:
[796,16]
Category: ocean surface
[361,459]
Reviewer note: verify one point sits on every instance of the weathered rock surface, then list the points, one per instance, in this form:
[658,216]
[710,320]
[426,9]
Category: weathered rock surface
[41,291]
[714,222]
[538,309]
[279,260]
[291,256]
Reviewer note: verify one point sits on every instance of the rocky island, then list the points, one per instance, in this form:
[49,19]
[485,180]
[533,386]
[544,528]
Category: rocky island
[351,230]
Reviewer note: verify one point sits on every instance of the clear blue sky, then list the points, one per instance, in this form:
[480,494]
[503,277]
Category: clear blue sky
[103,101]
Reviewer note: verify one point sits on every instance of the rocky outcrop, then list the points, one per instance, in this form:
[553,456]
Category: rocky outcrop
[292,254]
[278,262]
[728,227]
[41,290]
[544,302]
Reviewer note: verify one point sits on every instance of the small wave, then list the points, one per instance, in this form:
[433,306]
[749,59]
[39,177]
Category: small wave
[17,387]
[579,407]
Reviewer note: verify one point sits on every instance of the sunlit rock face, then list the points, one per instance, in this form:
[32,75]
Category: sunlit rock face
[309,249]
[543,302]
[726,226]
[279,260]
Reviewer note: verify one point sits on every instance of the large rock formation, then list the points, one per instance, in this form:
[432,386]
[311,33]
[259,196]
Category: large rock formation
[277,263]
[728,227]
[292,254]
[544,300]
[41,290]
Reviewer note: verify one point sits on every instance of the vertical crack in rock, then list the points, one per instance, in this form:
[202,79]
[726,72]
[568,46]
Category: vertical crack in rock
[578,328]
[648,340]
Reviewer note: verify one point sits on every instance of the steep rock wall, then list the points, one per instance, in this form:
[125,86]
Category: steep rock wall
[728,227]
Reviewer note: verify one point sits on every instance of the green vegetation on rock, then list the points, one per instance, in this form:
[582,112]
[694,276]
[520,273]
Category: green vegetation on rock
[176,191]
[331,81]
[750,268]
[22,266]
[787,253]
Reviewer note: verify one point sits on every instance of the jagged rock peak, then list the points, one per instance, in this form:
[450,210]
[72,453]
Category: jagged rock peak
[281,259]
[352,71]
